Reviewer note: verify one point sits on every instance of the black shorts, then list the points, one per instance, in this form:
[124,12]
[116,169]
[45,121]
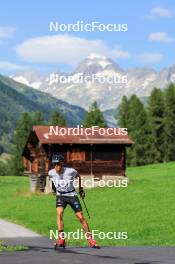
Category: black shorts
[73,201]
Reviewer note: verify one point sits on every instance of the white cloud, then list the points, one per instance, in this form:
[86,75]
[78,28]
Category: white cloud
[64,49]
[159,12]
[160,37]
[6,65]
[7,32]
[149,57]
[118,53]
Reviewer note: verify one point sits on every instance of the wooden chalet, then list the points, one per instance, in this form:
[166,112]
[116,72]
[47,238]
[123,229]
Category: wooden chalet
[98,156]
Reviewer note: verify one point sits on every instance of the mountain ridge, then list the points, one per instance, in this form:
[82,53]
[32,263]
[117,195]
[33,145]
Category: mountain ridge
[140,81]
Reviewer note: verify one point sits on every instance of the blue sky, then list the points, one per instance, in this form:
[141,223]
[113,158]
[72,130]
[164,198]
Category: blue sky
[26,42]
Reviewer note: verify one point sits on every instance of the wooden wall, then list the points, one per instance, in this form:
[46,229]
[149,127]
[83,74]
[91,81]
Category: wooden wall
[94,160]
[87,159]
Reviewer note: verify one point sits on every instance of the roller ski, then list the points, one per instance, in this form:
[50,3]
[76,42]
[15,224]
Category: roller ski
[60,243]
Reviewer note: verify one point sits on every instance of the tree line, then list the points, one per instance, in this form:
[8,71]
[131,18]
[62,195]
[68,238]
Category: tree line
[24,127]
[151,126]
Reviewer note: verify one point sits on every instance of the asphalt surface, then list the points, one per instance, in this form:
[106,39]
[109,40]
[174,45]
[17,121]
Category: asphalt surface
[40,251]
[8,229]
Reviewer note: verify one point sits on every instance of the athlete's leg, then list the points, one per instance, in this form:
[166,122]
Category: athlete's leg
[83,221]
[61,240]
[76,206]
[60,206]
[60,223]
[92,242]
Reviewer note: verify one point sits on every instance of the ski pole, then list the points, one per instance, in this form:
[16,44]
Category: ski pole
[86,208]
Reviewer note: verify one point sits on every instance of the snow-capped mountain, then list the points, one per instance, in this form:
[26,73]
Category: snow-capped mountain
[30,78]
[98,78]
[97,63]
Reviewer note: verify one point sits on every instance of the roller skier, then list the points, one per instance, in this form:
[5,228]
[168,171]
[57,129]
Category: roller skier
[63,178]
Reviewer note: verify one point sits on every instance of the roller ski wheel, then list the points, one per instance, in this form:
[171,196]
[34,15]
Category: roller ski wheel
[96,246]
[60,244]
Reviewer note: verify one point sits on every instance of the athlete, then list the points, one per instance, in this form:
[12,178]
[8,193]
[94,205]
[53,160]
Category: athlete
[63,179]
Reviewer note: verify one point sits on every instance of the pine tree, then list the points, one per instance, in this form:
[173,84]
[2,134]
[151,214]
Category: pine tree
[20,136]
[37,119]
[156,110]
[170,123]
[94,117]
[57,119]
[139,130]
[122,116]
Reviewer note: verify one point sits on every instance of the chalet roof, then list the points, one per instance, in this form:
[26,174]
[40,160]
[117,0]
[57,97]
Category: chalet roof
[53,135]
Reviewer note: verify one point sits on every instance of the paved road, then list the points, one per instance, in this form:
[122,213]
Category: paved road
[41,252]
[8,229]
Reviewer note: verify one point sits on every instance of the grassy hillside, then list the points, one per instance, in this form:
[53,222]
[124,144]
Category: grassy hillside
[17,98]
[145,209]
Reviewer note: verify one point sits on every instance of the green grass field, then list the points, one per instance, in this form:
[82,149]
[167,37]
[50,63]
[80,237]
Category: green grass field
[144,209]
[4,247]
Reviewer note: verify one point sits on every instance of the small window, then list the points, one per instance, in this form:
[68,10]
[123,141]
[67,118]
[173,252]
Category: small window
[109,152]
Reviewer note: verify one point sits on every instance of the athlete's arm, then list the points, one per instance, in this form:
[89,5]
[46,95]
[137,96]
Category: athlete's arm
[77,176]
[81,191]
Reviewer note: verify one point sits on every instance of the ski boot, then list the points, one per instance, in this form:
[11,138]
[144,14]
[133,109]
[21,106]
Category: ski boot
[60,243]
[92,243]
